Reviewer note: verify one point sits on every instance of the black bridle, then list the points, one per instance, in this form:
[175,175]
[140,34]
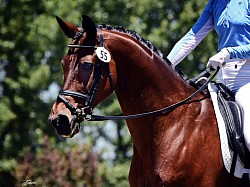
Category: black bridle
[86,112]
[82,113]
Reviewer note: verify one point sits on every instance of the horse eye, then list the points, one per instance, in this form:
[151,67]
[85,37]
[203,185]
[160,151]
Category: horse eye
[87,65]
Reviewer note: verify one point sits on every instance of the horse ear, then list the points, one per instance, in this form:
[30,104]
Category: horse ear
[89,26]
[68,28]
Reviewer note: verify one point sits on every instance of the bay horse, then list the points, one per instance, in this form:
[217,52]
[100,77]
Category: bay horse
[179,147]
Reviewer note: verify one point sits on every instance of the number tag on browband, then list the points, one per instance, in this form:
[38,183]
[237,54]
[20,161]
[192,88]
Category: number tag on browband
[103,54]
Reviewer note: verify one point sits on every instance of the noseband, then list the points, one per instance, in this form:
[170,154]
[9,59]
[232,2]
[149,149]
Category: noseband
[83,113]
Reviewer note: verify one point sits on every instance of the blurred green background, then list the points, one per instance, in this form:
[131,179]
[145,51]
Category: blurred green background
[31,47]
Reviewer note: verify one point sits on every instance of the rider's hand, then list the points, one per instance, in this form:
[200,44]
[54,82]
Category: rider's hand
[218,59]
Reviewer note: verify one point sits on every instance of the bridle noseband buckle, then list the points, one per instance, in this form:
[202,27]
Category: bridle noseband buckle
[84,113]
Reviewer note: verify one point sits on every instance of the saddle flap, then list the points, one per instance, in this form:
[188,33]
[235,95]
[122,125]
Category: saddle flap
[228,154]
[237,113]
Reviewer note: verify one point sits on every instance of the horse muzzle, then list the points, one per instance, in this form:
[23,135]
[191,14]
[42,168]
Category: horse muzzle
[67,121]
[65,126]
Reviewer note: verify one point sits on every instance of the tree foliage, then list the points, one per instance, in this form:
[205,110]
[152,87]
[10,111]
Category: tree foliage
[32,46]
[60,167]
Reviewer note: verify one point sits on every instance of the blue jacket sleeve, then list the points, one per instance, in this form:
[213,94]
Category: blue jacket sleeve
[199,31]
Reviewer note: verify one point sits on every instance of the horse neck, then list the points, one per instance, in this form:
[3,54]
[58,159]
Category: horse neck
[144,79]
[145,83]
[163,145]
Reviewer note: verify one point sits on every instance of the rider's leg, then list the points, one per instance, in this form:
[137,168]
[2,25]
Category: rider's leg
[243,98]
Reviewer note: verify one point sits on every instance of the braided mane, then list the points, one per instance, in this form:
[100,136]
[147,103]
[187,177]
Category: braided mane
[138,37]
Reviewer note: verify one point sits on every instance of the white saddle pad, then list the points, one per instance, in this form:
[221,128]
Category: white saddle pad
[227,153]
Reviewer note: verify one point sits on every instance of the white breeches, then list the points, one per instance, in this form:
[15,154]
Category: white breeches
[236,76]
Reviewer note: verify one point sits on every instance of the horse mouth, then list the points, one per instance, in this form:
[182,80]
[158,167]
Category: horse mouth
[66,128]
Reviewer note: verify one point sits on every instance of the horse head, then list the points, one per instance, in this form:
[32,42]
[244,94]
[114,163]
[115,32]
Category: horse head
[88,70]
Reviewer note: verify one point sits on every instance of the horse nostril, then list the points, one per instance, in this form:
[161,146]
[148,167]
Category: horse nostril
[62,119]
[59,120]
[62,125]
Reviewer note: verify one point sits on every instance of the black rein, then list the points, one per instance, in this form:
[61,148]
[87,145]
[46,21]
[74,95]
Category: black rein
[160,111]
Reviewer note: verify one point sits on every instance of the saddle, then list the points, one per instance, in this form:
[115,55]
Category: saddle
[229,114]
[232,114]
